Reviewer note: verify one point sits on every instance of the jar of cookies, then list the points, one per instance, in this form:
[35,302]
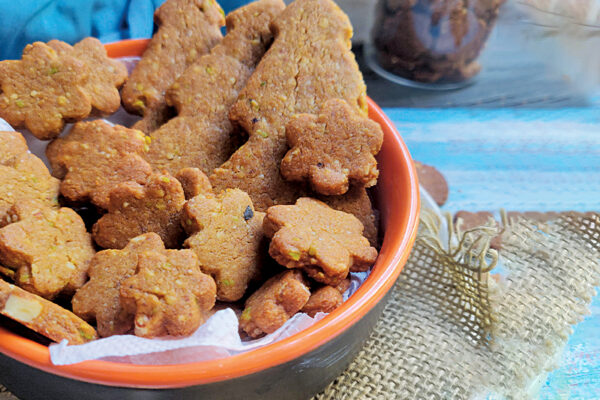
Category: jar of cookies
[430,43]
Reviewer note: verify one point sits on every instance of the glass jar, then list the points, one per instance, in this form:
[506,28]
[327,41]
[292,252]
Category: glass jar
[425,42]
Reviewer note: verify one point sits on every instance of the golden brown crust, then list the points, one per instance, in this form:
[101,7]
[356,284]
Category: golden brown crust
[43,316]
[187,30]
[99,299]
[106,75]
[43,89]
[169,295]
[325,299]
[226,236]
[324,242]
[309,63]
[333,149]
[274,303]
[95,157]
[49,249]
[23,176]
[135,209]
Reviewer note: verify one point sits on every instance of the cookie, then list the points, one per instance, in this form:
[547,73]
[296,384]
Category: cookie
[43,90]
[325,243]
[194,182]
[49,249]
[99,299]
[134,209]
[23,176]
[168,294]
[325,300]
[433,181]
[226,235]
[308,63]
[275,302]
[95,157]
[187,29]
[42,316]
[201,135]
[332,150]
[106,75]
[470,220]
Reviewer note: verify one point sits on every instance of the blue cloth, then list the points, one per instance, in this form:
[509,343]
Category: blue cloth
[27,21]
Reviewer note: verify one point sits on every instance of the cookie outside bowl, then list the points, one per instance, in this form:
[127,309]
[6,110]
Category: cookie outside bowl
[294,368]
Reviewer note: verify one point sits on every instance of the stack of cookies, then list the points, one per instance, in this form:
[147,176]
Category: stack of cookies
[245,182]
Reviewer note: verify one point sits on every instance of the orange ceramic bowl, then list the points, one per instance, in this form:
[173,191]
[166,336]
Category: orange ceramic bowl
[296,367]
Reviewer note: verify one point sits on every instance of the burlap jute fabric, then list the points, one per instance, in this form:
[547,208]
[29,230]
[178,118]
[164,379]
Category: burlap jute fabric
[451,331]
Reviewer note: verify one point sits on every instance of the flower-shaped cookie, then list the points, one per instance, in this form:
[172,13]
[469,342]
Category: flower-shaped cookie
[95,157]
[325,243]
[333,149]
[134,209]
[169,295]
[99,299]
[226,236]
[49,249]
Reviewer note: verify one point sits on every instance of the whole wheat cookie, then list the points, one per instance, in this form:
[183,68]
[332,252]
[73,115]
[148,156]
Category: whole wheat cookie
[277,300]
[325,299]
[325,243]
[43,90]
[433,181]
[187,30]
[49,249]
[169,295]
[23,176]
[226,235]
[201,135]
[99,300]
[194,182]
[308,63]
[134,209]
[43,316]
[106,75]
[332,150]
[95,157]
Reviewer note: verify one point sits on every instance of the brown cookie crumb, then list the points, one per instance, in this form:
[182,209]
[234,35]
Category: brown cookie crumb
[433,181]
[106,75]
[135,209]
[43,316]
[332,150]
[226,236]
[99,299]
[49,249]
[43,89]
[23,176]
[274,303]
[325,299]
[169,295]
[324,242]
[187,29]
[95,157]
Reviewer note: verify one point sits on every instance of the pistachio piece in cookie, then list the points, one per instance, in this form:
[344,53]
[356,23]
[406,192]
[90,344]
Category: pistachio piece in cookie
[99,299]
[43,316]
[324,242]
[94,157]
[276,301]
[226,235]
[49,249]
[332,150]
[134,209]
[168,295]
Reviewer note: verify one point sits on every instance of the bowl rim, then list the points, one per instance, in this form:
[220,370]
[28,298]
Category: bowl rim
[393,256]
